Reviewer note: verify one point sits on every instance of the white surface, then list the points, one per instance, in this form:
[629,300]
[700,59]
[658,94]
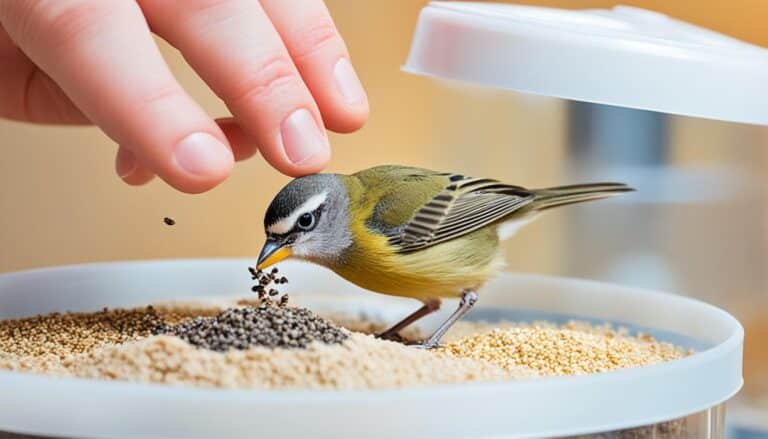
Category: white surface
[536,408]
[623,56]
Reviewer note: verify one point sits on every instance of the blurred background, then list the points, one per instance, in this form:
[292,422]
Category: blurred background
[698,225]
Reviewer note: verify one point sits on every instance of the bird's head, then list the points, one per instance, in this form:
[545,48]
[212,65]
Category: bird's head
[308,219]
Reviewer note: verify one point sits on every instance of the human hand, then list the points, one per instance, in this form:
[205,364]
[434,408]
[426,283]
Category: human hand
[279,65]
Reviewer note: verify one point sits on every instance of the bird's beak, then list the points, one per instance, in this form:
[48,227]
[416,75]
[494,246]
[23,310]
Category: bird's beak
[272,253]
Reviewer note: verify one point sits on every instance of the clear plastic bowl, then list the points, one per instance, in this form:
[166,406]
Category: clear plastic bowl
[683,397]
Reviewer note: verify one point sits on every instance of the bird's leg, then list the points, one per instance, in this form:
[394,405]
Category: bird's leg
[430,306]
[468,300]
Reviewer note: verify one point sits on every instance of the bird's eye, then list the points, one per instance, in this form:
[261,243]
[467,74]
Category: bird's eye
[306,221]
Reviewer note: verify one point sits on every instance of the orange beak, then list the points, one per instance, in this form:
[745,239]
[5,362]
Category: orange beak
[272,253]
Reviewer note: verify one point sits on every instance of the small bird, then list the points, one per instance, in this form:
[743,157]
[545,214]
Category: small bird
[409,232]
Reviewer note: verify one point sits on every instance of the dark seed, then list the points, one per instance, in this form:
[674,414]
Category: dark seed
[169,221]
[270,326]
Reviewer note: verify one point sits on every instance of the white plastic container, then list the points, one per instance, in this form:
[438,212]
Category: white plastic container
[692,389]
[625,56]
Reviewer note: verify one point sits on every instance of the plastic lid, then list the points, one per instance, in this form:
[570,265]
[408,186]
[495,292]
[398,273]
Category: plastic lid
[624,56]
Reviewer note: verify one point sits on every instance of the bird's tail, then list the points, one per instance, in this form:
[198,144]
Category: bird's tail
[563,195]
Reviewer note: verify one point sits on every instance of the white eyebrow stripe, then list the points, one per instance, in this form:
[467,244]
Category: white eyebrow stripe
[286,224]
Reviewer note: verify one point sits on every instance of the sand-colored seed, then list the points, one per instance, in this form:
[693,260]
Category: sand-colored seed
[361,362]
[574,349]
[116,344]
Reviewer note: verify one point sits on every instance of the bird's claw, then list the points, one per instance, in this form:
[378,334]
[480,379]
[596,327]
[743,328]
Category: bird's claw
[424,344]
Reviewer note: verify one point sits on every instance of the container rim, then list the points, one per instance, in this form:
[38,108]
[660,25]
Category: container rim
[585,404]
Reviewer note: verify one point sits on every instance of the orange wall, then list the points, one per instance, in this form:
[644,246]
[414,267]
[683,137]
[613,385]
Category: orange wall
[60,202]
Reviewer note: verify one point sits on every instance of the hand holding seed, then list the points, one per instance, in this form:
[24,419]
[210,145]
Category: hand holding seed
[280,65]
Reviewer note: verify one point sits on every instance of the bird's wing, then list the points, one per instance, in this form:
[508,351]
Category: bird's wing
[463,206]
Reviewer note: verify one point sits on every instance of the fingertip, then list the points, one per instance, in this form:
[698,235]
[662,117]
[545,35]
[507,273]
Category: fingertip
[200,161]
[346,120]
[301,146]
[350,110]
[139,177]
[312,165]
[339,94]
[125,162]
[130,170]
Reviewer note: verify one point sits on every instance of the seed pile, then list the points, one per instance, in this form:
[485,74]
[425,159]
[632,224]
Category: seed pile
[269,326]
[574,349]
[60,334]
[269,346]
[361,362]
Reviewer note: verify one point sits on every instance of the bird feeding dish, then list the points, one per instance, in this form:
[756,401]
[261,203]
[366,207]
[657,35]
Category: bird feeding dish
[625,56]
[679,398]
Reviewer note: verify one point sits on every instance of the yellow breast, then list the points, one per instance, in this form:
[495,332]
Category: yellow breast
[443,270]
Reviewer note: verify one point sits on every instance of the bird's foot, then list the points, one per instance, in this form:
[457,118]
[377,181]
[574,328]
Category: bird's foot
[424,344]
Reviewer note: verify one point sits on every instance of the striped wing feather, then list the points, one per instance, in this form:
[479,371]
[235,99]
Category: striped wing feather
[465,205]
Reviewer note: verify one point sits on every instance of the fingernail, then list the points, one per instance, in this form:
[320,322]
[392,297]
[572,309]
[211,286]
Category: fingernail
[203,154]
[301,136]
[348,83]
[125,163]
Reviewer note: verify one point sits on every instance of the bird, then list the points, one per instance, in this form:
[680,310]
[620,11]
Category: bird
[409,232]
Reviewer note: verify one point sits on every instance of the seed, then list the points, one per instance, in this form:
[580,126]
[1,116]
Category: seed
[576,348]
[264,280]
[169,221]
[240,328]
[62,334]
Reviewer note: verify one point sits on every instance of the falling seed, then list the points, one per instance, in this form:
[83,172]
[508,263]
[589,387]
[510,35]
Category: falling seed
[284,300]
[274,270]
[283,280]
[273,292]
[169,221]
